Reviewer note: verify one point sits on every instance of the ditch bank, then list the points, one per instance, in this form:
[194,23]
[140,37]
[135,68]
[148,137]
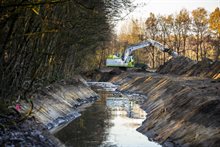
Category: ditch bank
[53,107]
[58,103]
[180,111]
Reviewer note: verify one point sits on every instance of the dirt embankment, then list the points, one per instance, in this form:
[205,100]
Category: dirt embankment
[182,110]
[187,67]
[54,105]
[57,104]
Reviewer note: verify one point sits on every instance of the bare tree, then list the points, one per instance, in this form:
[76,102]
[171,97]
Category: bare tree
[200,27]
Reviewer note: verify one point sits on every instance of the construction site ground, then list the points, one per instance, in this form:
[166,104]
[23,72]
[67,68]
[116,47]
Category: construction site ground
[183,100]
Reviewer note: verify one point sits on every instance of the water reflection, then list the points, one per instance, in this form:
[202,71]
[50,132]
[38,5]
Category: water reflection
[111,121]
[124,107]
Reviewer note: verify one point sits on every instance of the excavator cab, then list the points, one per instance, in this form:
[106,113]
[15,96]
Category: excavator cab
[126,60]
[116,61]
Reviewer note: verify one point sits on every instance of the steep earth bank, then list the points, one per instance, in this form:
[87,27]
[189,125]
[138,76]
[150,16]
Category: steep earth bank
[183,106]
[181,111]
[57,103]
[54,105]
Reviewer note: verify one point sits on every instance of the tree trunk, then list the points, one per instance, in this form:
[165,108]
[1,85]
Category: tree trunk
[200,46]
[184,45]
[217,52]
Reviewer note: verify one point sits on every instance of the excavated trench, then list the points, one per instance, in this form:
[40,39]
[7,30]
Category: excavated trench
[111,121]
[180,111]
[182,106]
[181,101]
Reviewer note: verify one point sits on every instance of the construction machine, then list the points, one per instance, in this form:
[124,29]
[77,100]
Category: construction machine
[126,59]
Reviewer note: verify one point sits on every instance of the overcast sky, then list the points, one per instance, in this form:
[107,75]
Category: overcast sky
[165,7]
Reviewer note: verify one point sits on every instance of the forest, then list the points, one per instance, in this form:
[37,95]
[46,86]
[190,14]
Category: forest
[43,41]
[193,34]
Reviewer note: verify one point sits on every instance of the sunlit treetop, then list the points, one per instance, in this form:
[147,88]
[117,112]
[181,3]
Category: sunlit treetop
[214,20]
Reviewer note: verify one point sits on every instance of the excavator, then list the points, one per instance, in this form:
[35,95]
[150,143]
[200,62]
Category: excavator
[126,59]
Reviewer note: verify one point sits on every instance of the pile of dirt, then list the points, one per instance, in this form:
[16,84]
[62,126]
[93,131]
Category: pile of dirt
[185,66]
[102,74]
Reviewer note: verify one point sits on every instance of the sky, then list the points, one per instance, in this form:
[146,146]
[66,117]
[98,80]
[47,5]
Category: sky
[164,7]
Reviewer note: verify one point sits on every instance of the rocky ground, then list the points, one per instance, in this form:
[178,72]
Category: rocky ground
[29,132]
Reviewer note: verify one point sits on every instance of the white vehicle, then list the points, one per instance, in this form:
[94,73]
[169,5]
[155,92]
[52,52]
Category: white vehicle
[126,60]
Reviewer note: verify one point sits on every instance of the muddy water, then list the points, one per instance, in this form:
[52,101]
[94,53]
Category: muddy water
[110,122]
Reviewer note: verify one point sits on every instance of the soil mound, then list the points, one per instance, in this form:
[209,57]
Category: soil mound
[185,66]
[102,75]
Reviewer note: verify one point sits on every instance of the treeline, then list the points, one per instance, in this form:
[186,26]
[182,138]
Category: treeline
[193,34]
[42,41]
